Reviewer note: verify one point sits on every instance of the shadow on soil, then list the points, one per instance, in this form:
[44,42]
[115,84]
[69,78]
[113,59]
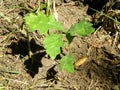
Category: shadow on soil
[95,4]
[31,64]
[51,74]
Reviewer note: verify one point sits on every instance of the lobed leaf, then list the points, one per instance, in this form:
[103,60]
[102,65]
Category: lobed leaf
[66,63]
[82,28]
[41,22]
[52,44]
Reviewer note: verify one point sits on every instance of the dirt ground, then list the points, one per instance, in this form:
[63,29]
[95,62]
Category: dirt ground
[101,71]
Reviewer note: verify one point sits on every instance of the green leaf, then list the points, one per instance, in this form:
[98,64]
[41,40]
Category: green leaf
[41,22]
[69,37]
[66,63]
[52,44]
[82,28]
[54,24]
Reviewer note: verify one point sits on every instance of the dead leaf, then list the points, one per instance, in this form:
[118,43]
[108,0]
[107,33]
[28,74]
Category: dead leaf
[81,61]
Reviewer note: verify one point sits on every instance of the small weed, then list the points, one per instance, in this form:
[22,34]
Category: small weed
[54,42]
